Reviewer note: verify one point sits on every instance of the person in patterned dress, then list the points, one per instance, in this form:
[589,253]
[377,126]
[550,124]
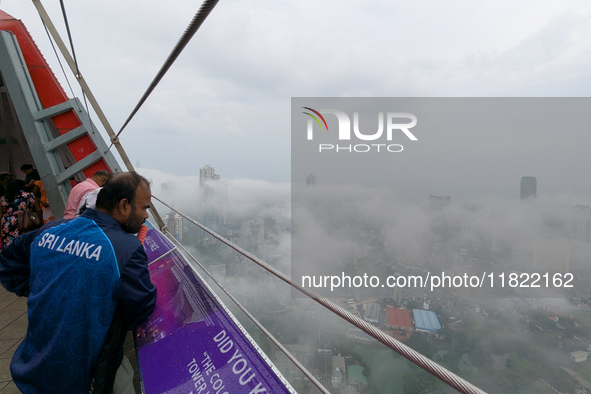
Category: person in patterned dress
[15,200]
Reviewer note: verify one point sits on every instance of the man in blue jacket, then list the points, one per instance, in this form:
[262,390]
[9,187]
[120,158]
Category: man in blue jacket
[76,273]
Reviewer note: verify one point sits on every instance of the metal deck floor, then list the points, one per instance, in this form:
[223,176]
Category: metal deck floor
[13,328]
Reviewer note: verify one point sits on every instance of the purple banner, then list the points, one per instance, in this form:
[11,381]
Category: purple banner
[156,245]
[191,344]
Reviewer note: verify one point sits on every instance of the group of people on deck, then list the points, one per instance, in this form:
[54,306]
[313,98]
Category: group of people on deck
[80,306]
[29,195]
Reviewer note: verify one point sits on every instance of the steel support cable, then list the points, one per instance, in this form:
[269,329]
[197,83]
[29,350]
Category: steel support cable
[294,360]
[425,363]
[69,36]
[78,75]
[58,58]
[198,19]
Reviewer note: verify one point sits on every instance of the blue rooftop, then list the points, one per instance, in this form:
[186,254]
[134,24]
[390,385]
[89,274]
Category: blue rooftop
[426,320]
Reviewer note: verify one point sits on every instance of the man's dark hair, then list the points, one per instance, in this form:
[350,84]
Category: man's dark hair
[103,173]
[121,186]
[25,167]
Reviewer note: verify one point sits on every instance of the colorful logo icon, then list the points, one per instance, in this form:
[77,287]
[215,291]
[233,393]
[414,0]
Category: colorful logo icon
[315,118]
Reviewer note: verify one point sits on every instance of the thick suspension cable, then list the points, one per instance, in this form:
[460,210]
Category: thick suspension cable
[69,36]
[287,353]
[77,75]
[198,19]
[58,58]
[425,363]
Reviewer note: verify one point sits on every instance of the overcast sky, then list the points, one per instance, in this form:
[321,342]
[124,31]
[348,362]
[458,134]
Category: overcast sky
[226,101]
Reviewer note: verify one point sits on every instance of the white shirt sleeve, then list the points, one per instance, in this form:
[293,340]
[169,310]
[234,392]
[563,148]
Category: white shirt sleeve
[88,201]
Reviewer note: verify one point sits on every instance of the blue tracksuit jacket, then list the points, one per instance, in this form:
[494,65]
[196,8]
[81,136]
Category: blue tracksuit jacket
[73,273]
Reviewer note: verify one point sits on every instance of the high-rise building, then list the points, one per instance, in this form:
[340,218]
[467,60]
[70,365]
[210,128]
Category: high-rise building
[468,219]
[495,231]
[214,199]
[206,174]
[174,222]
[438,203]
[310,180]
[270,226]
[529,186]
[257,232]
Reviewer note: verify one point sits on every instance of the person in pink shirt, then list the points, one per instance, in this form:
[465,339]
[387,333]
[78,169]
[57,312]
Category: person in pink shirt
[97,180]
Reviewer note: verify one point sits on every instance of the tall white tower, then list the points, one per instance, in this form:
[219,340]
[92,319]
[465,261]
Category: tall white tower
[206,174]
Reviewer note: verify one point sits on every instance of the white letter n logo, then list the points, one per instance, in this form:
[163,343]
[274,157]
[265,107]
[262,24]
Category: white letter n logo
[310,125]
[344,122]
